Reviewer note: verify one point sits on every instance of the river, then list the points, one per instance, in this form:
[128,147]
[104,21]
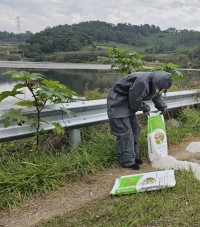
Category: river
[76,76]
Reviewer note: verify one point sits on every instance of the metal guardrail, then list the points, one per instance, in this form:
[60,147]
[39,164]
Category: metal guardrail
[86,113]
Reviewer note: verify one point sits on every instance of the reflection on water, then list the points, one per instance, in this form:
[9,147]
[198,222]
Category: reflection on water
[76,80]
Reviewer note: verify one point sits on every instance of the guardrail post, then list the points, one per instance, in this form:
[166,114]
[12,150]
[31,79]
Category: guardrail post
[74,137]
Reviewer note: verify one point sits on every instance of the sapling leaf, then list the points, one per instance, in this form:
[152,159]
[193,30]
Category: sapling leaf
[24,75]
[6,94]
[37,76]
[14,115]
[56,86]
[10,72]
[27,103]
[68,112]
[171,68]
[7,124]
[59,130]
[19,86]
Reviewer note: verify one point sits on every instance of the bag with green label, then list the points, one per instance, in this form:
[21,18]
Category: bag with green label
[157,138]
[143,182]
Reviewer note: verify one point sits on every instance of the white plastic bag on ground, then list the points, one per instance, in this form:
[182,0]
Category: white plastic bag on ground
[170,162]
[193,147]
[157,138]
[143,182]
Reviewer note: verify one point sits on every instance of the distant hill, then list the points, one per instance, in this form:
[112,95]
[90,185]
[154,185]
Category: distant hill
[10,37]
[88,41]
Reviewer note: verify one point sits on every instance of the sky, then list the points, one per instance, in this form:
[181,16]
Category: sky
[19,16]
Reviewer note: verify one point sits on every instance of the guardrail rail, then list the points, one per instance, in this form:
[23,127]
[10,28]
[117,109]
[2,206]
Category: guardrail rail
[86,113]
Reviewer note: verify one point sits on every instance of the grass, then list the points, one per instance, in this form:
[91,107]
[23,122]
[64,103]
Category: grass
[188,125]
[24,172]
[178,206]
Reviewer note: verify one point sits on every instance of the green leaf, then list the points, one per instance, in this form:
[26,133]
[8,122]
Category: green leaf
[56,86]
[6,94]
[24,75]
[14,115]
[27,103]
[19,86]
[68,112]
[7,124]
[59,130]
[10,72]
[37,76]
[171,68]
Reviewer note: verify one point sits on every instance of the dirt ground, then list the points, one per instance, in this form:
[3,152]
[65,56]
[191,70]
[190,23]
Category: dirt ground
[67,199]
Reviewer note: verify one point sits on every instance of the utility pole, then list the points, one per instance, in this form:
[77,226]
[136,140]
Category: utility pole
[18,25]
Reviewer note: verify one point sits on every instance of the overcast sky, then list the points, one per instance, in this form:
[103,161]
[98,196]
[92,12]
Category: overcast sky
[35,15]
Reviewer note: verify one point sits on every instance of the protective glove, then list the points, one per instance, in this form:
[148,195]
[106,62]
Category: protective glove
[146,113]
[162,110]
[146,109]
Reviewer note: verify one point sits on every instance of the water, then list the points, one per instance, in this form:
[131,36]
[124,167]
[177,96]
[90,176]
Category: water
[78,79]
[75,79]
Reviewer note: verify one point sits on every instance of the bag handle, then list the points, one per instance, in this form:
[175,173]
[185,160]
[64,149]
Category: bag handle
[154,112]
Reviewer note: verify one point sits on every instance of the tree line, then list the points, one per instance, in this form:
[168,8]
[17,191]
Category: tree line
[148,39]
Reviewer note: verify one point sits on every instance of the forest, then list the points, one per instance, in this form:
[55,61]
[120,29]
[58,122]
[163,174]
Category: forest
[89,42]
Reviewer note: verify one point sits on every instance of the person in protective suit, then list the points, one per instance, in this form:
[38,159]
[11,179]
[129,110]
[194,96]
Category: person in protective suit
[126,98]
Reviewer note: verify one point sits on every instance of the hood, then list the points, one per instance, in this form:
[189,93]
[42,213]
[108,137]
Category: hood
[162,80]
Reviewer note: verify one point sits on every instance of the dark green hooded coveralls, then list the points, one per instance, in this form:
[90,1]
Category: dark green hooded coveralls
[124,100]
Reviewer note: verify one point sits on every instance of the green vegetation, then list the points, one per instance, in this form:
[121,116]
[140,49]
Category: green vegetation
[89,41]
[125,62]
[9,45]
[24,171]
[171,68]
[42,92]
[178,206]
